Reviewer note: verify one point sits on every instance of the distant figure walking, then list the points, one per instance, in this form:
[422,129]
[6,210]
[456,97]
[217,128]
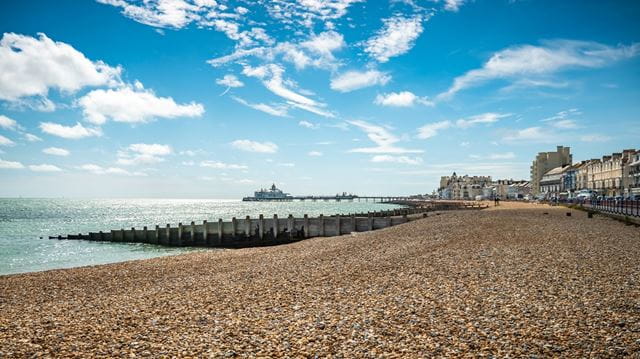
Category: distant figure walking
[496,201]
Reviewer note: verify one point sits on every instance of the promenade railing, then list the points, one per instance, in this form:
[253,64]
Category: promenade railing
[622,207]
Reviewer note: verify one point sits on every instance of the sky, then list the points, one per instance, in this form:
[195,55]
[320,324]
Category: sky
[215,99]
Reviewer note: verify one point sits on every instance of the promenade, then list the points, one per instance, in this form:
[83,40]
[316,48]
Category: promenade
[515,280]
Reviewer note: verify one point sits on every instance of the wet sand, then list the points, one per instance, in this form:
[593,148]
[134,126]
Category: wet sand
[508,281]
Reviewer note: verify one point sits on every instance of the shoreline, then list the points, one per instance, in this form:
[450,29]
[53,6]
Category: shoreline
[509,280]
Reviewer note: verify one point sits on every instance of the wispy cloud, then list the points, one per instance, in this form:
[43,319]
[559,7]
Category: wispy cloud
[385,141]
[10,164]
[278,110]
[485,118]
[99,170]
[532,62]
[222,165]
[354,80]
[45,168]
[143,153]
[56,151]
[397,159]
[432,129]
[254,146]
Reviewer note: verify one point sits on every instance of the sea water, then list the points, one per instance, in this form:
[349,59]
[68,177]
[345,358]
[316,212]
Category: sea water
[26,224]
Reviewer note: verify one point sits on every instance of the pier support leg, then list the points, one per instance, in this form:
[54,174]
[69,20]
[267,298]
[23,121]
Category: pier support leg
[306,226]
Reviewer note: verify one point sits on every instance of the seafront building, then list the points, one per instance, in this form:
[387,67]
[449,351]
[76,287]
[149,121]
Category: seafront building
[547,161]
[615,175]
[473,187]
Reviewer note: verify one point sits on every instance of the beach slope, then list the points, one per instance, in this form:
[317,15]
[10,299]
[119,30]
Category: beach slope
[513,280]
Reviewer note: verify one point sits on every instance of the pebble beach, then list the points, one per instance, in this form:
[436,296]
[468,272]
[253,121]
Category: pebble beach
[511,281]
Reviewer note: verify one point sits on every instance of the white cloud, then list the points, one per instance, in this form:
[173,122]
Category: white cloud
[453,5]
[99,170]
[595,138]
[56,151]
[397,159]
[529,61]
[71,132]
[431,129]
[278,110]
[8,123]
[5,141]
[10,164]
[133,105]
[565,124]
[401,99]
[395,38]
[271,77]
[165,13]
[485,118]
[563,120]
[222,165]
[45,168]
[384,140]
[495,156]
[229,81]
[306,12]
[142,153]
[315,153]
[287,164]
[32,138]
[31,66]
[354,80]
[308,124]
[253,146]
[530,134]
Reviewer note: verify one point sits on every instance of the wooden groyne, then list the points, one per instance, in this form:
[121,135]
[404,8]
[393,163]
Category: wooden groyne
[262,231]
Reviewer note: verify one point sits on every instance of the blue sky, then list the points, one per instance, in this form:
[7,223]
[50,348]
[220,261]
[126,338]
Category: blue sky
[203,98]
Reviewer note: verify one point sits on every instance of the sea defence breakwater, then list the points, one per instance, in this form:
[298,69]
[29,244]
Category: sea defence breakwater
[263,231]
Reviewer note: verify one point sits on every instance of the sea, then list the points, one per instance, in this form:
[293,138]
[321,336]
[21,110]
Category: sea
[27,223]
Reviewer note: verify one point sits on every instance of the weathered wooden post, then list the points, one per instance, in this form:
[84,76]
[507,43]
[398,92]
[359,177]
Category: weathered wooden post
[157,235]
[338,229]
[205,232]
[133,235]
[180,232]
[275,226]
[121,235]
[291,226]
[113,235]
[192,234]
[144,235]
[168,231]
[306,226]
[354,224]
[370,222]
[247,227]
[261,226]
[234,227]
[220,231]
[321,225]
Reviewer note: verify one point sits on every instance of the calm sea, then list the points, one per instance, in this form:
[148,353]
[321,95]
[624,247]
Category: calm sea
[24,221]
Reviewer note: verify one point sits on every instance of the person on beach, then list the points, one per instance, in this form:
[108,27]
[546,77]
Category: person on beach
[496,201]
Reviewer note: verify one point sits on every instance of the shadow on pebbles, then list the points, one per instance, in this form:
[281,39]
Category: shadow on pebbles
[508,281]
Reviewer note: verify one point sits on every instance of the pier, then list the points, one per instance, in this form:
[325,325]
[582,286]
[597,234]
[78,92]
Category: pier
[264,231]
